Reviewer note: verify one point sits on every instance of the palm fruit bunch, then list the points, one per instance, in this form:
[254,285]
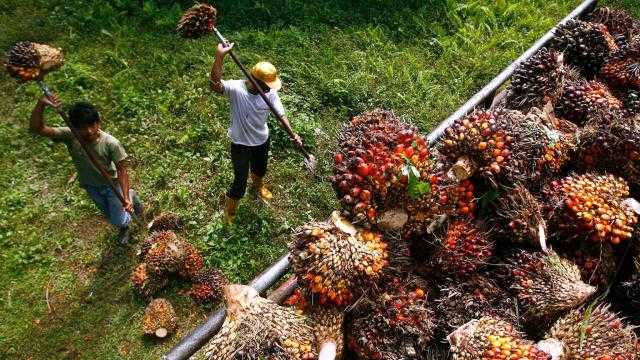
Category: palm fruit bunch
[520,217]
[336,263]
[208,285]
[491,338]
[618,22]
[147,283]
[594,333]
[557,135]
[585,45]
[371,170]
[597,264]
[197,21]
[461,302]
[631,286]
[166,253]
[164,222]
[622,70]
[328,329]
[159,318]
[545,284]
[399,324]
[30,61]
[256,327]
[463,250]
[591,205]
[535,80]
[580,97]
[632,102]
[193,261]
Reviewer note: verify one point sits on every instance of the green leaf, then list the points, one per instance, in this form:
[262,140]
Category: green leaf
[416,188]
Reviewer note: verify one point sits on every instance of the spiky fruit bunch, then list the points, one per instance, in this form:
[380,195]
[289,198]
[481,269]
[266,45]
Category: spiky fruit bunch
[154,237]
[30,61]
[159,318]
[460,302]
[535,80]
[520,217]
[597,264]
[257,327]
[585,45]
[623,69]
[164,222]
[580,97]
[193,261]
[491,338]
[378,159]
[166,254]
[545,284]
[328,328]
[398,325]
[197,21]
[594,333]
[336,265]
[592,205]
[208,285]
[147,283]
[618,22]
[463,250]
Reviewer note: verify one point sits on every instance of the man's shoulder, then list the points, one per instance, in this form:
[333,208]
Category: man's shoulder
[108,138]
[234,84]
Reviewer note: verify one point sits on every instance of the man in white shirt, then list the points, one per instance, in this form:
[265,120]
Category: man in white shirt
[249,132]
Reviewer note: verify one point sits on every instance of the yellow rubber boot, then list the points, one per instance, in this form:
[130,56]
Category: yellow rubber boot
[260,189]
[230,207]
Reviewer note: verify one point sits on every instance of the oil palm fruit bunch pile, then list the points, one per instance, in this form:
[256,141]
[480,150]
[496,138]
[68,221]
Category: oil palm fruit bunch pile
[208,285]
[164,222]
[159,318]
[545,284]
[491,338]
[399,324]
[536,80]
[370,174]
[460,302]
[597,264]
[32,61]
[256,326]
[520,217]
[585,45]
[580,97]
[592,205]
[594,333]
[197,21]
[618,22]
[335,263]
[463,249]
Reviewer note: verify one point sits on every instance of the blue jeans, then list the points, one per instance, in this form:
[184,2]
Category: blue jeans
[109,204]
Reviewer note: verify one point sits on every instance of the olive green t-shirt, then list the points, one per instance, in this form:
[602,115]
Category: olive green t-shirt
[107,149]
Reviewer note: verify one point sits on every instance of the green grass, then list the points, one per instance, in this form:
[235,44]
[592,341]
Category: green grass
[64,290]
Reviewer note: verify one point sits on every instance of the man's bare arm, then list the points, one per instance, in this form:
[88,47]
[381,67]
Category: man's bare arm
[215,78]
[37,125]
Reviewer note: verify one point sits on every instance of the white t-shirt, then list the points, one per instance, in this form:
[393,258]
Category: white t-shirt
[249,113]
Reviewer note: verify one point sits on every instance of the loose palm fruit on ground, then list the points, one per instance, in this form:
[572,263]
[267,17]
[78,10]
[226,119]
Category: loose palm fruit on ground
[255,325]
[197,21]
[491,338]
[165,221]
[463,250]
[208,285]
[520,218]
[337,266]
[545,284]
[618,22]
[594,333]
[535,80]
[591,205]
[461,302]
[371,169]
[585,45]
[147,283]
[30,61]
[399,324]
[580,97]
[193,261]
[159,318]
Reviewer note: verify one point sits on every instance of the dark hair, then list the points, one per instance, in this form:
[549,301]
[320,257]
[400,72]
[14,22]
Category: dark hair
[83,114]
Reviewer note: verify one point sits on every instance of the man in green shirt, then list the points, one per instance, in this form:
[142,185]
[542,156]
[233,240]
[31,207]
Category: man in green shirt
[108,152]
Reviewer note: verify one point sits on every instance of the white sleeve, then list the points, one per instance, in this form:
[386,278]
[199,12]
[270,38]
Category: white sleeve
[277,104]
[229,87]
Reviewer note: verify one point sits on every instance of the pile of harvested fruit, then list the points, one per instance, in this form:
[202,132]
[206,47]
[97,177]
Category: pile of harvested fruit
[514,236]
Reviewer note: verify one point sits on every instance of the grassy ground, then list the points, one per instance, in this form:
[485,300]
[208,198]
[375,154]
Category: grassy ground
[64,290]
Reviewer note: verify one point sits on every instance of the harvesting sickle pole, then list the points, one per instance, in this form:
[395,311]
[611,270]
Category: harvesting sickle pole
[203,16]
[31,62]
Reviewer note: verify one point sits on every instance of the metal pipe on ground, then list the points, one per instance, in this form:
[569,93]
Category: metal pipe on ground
[199,336]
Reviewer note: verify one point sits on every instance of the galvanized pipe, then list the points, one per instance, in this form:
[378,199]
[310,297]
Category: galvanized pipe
[199,336]
[487,93]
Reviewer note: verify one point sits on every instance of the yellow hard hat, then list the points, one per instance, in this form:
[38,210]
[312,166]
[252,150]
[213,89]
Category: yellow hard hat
[266,72]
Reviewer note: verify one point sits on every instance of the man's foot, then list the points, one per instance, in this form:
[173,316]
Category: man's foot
[124,236]
[260,189]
